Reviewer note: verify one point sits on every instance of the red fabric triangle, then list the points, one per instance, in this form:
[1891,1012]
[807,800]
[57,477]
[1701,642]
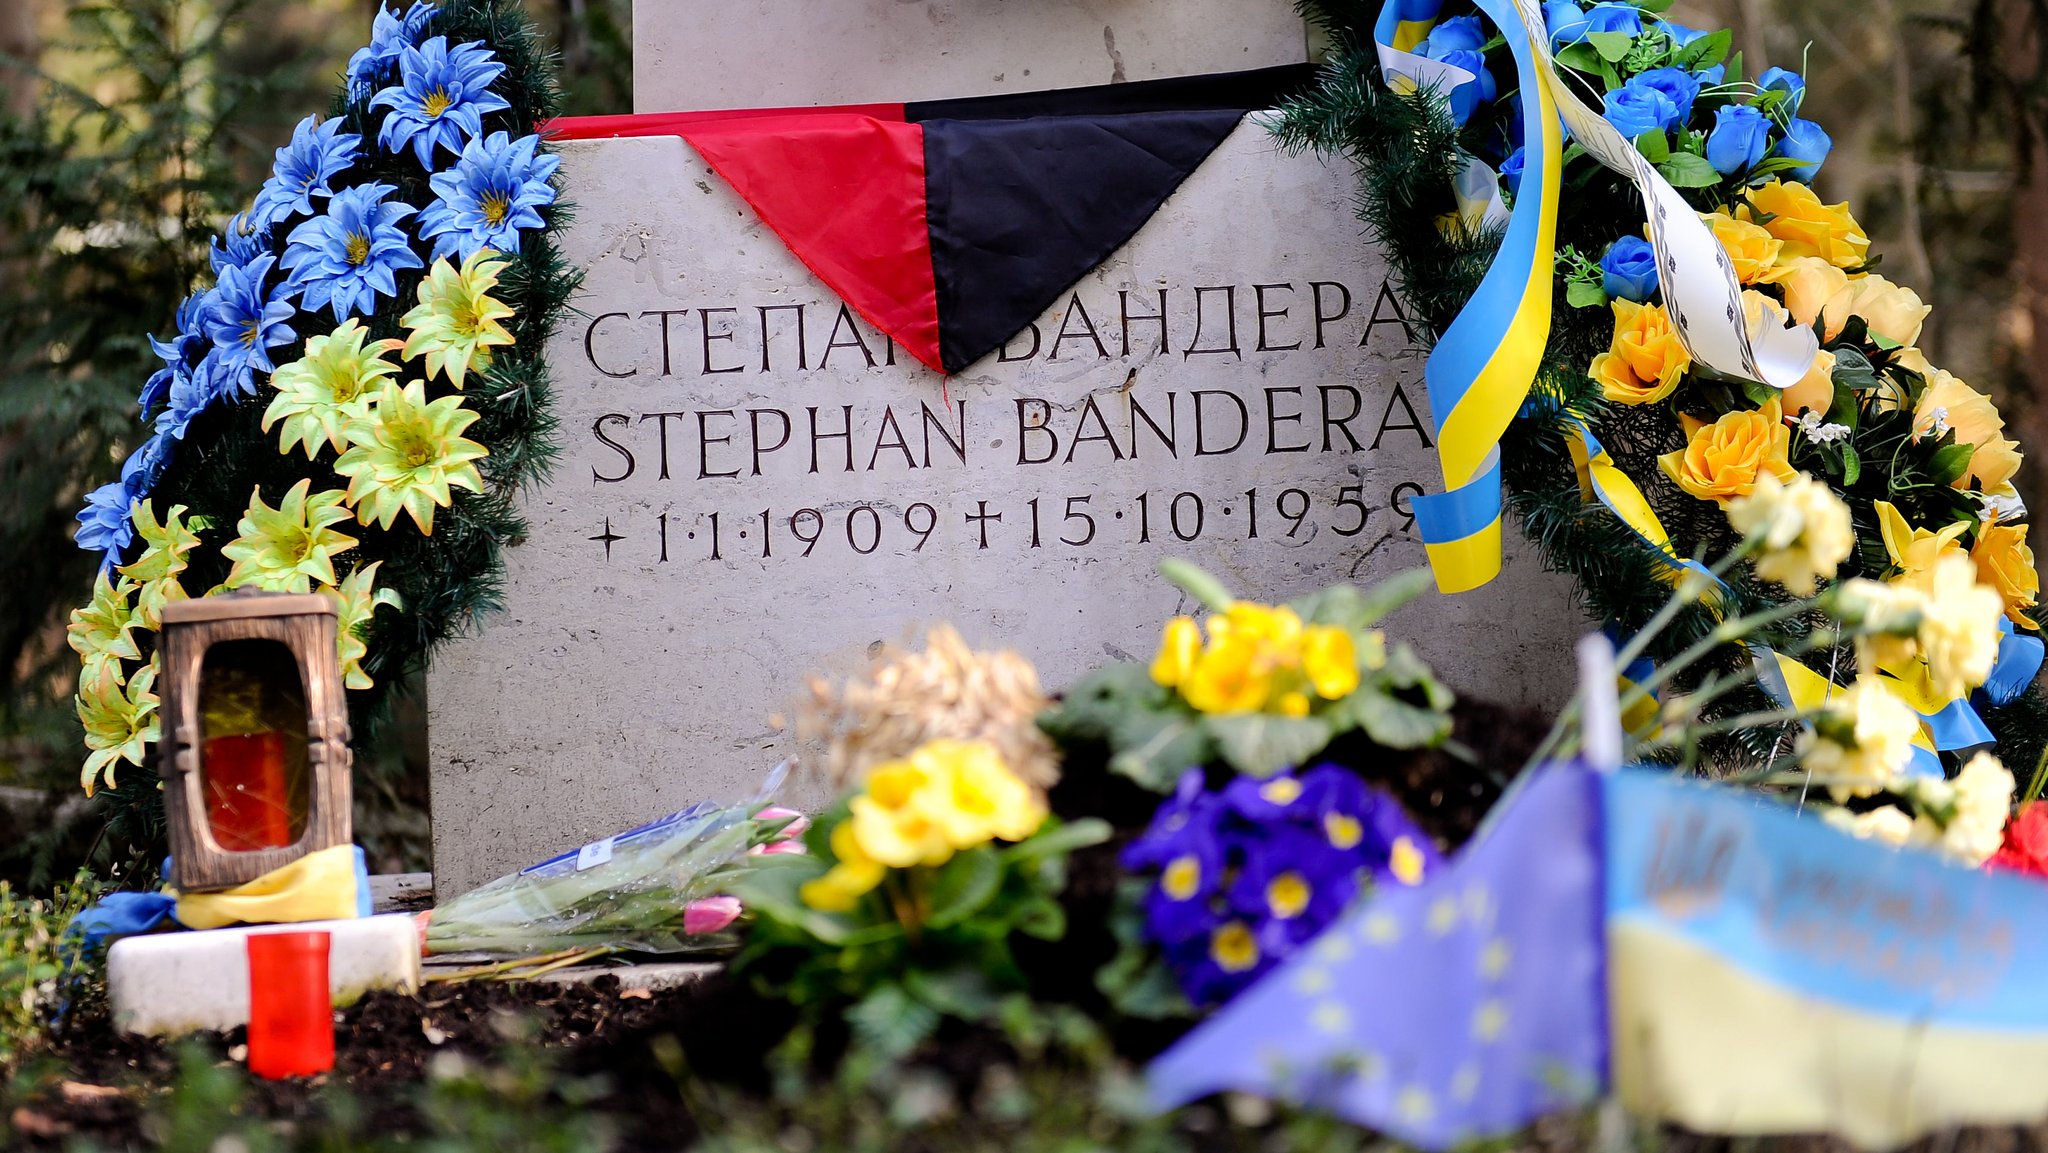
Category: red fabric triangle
[846,191]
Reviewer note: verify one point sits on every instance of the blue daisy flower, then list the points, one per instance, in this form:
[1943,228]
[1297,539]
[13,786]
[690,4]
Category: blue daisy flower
[346,258]
[390,35]
[239,243]
[491,193]
[305,168]
[103,524]
[249,320]
[440,99]
[192,391]
[180,352]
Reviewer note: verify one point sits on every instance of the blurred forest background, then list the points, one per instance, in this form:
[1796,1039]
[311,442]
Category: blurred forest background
[130,130]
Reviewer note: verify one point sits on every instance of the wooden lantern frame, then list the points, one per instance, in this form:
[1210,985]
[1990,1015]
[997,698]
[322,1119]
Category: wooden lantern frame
[305,624]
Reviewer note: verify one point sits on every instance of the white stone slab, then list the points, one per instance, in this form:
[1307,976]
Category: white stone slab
[629,678]
[171,983]
[690,54]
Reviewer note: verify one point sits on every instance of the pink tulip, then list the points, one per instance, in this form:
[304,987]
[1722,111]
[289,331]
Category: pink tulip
[710,915]
[798,823]
[778,848]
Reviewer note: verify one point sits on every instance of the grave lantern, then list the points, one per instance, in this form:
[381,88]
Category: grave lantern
[254,754]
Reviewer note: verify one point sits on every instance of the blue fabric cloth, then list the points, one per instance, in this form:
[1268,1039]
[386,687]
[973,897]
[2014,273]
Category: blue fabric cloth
[1468,1005]
[119,915]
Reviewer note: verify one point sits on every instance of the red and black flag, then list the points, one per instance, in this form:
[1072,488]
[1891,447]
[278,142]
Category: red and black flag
[951,224]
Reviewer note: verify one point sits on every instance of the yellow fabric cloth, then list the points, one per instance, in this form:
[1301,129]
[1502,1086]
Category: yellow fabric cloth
[320,886]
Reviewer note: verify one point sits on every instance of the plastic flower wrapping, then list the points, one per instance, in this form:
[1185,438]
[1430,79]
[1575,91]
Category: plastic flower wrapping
[1868,471]
[317,411]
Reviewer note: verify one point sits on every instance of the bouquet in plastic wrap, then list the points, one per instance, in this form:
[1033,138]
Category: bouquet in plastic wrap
[659,888]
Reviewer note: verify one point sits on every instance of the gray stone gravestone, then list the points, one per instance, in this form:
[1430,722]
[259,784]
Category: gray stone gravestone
[755,486]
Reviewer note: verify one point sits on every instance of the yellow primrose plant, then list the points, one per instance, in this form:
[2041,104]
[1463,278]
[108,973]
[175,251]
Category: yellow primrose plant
[914,887]
[1258,687]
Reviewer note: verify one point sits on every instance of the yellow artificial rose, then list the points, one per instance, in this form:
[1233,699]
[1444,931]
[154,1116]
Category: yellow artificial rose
[1807,283]
[1330,660]
[2006,563]
[1914,551]
[1949,403]
[1892,311]
[1993,466]
[1646,361]
[1815,391]
[1802,528]
[1723,460]
[1751,248]
[1807,227]
[1179,646]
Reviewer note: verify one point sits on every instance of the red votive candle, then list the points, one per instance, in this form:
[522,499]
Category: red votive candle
[248,805]
[291,1019]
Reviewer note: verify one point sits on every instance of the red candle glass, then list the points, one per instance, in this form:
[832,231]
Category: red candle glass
[291,1016]
[248,793]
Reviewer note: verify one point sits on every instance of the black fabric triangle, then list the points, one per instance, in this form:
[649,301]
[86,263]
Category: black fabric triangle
[1021,209]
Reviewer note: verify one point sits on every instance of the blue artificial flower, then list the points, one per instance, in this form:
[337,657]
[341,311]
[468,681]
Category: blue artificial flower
[305,168]
[103,524]
[1680,86]
[180,352]
[1713,77]
[193,390]
[1565,21]
[1636,109]
[1792,84]
[238,244]
[1628,270]
[1740,139]
[1511,170]
[1458,34]
[1679,33]
[440,99]
[249,319]
[145,466]
[1807,143]
[1296,877]
[1612,16]
[346,258]
[1466,98]
[488,196]
[372,67]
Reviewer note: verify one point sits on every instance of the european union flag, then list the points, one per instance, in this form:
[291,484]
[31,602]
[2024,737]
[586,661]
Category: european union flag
[1466,1006]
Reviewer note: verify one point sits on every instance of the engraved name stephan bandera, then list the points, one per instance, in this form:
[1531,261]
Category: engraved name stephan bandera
[1149,413]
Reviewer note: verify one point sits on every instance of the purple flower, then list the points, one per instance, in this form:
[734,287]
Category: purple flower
[1273,798]
[1190,811]
[1296,877]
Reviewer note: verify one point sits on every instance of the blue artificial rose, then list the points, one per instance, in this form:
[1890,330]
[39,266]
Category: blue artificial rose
[1565,20]
[1680,34]
[1681,86]
[1511,170]
[1740,138]
[1792,84]
[1609,16]
[1712,77]
[1637,109]
[1629,269]
[1458,34]
[1807,143]
[1466,98]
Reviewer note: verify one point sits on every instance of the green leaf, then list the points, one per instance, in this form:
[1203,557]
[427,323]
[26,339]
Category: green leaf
[964,886]
[1396,724]
[1655,146]
[891,1022]
[1041,917]
[1406,670]
[1706,51]
[1684,170]
[1654,5]
[1094,705]
[1733,73]
[1190,579]
[1383,599]
[769,888]
[1580,56]
[1852,464]
[958,992]
[1058,839]
[1612,46]
[1580,294]
[1950,463]
[1261,744]
[1152,747]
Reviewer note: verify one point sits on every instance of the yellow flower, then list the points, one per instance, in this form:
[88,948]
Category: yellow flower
[1915,550]
[1982,802]
[456,322]
[1808,227]
[1992,466]
[356,603]
[318,392]
[287,548]
[853,876]
[1275,626]
[161,560]
[1723,460]
[99,634]
[1959,631]
[1646,361]
[1179,646]
[1233,675]
[1888,825]
[974,796]
[405,455]
[1861,740]
[1330,660]
[1233,948]
[1815,391]
[1803,529]
[1808,283]
[1887,619]
[889,823]
[2006,563]
[1751,248]
[1892,311]
[120,722]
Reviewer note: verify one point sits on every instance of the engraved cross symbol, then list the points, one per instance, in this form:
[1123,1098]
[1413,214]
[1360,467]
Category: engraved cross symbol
[608,537]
